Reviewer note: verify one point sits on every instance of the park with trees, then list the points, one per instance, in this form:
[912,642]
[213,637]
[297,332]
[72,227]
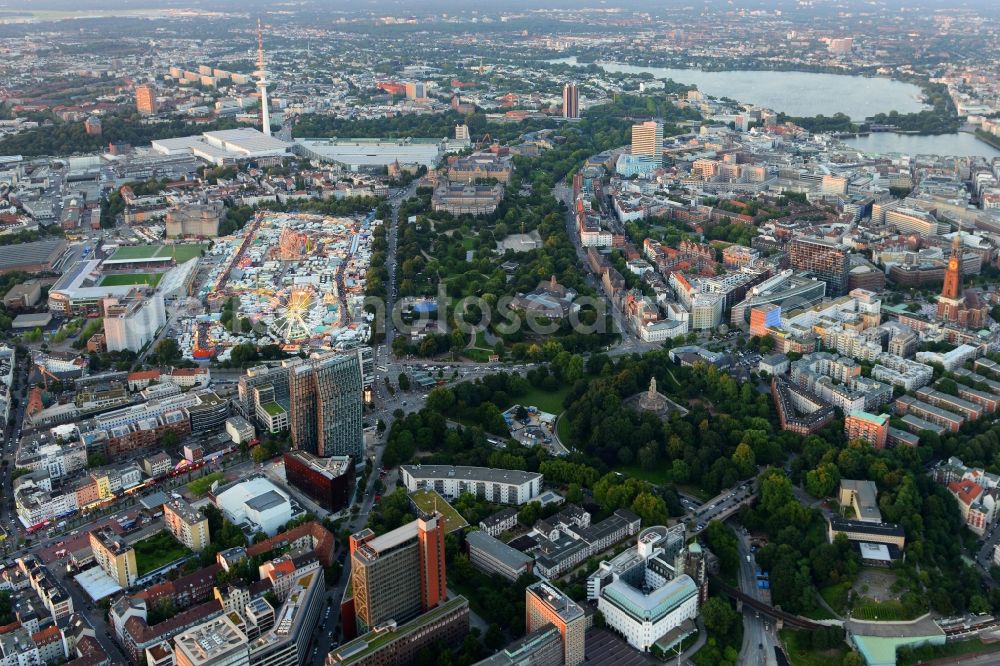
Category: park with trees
[729,434]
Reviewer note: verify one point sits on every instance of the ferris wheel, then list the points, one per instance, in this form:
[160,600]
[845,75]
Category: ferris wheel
[293,311]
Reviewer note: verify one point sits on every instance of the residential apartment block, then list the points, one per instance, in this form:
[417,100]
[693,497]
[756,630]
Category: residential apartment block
[872,428]
[500,486]
[115,556]
[187,524]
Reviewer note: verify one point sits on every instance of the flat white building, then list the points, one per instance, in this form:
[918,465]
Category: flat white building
[255,504]
[357,154]
[132,322]
[644,592]
[899,371]
[217,642]
[59,452]
[224,146]
[148,410]
[950,360]
[665,329]
[35,501]
[501,486]
[644,618]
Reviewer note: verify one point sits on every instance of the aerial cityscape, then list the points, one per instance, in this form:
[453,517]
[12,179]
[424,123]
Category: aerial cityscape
[530,334]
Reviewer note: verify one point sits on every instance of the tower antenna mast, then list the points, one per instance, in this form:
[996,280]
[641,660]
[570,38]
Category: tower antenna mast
[265,113]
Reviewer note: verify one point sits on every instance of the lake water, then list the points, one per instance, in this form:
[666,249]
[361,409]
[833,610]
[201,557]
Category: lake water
[794,93]
[811,94]
[959,144]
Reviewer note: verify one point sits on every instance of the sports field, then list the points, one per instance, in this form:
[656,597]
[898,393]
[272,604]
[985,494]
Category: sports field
[136,252]
[122,279]
[186,251]
[428,500]
[183,252]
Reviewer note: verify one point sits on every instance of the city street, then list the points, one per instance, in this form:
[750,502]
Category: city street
[383,352]
[984,558]
[759,637]
[629,343]
[12,429]
[722,506]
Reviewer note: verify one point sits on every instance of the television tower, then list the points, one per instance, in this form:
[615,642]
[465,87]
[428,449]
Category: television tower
[265,113]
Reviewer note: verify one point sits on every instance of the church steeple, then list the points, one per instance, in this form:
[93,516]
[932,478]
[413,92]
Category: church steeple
[952,295]
[953,273]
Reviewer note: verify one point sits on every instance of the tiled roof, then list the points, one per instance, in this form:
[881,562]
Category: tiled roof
[965,490]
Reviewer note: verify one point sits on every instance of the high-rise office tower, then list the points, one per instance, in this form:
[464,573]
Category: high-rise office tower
[828,261]
[647,139]
[416,90]
[571,100]
[545,604]
[841,45]
[145,99]
[265,394]
[399,575]
[325,396]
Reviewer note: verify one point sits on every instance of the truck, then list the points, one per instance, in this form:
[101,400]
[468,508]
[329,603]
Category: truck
[748,559]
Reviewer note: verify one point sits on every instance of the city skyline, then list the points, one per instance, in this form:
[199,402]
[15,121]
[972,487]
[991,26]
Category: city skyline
[433,333]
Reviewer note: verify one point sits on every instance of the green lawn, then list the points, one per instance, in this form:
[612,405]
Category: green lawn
[201,485]
[93,326]
[184,252]
[887,611]
[695,491]
[801,654]
[950,649]
[547,401]
[136,252]
[428,500]
[562,429]
[669,385]
[273,408]
[658,475]
[836,596]
[122,279]
[478,355]
[480,352]
[156,551]
[819,613]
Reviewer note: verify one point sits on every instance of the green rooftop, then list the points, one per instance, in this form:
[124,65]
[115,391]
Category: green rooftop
[364,646]
[273,408]
[430,500]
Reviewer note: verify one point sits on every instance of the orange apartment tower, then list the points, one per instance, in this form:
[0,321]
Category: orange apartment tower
[145,99]
[398,575]
[546,604]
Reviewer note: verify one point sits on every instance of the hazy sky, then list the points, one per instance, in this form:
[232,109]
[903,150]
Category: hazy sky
[425,6]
